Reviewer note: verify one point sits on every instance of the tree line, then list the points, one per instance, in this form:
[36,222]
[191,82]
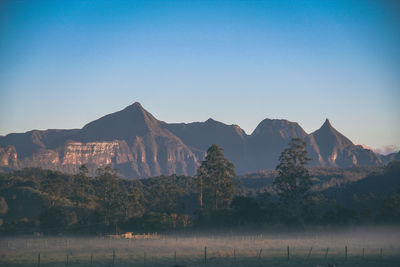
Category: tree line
[51,202]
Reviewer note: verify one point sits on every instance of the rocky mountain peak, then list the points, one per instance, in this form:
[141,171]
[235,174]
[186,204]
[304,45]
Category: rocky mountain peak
[210,120]
[139,145]
[125,124]
[135,107]
[328,130]
[135,110]
[137,104]
[278,127]
[327,124]
[333,146]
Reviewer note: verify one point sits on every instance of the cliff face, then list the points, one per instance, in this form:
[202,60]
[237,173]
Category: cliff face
[139,145]
[336,150]
[261,149]
[130,140]
[8,157]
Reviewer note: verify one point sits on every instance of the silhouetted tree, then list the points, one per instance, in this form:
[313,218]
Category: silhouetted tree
[81,186]
[215,175]
[164,195]
[109,194]
[132,202]
[294,181]
[54,184]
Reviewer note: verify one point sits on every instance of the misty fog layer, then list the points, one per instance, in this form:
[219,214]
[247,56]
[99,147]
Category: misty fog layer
[221,248]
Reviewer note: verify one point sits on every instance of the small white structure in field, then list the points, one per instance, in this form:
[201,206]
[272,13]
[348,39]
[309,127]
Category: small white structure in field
[131,235]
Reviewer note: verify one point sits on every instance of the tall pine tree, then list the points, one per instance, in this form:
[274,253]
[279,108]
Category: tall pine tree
[215,175]
[294,181]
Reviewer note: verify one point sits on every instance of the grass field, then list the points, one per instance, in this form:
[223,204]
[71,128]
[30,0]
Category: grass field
[365,247]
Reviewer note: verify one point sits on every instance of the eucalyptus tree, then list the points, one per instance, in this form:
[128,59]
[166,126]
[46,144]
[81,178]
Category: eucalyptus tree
[215,183]
[293,183]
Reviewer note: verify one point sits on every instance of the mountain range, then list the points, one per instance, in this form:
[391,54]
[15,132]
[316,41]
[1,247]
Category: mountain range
[139,145]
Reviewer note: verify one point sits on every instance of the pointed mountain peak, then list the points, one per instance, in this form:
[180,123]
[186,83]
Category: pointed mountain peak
[125,124]
[136,110]
[137,104]
[329,139]
[134,106]
[327,127]
[327,123]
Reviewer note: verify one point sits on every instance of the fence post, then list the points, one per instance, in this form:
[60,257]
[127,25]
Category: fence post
[234,255]
[363,253]
[381,253]
[113,262]
[91,259]
[309,254]
[345,252]
[38,259]
[175,258]
[144,258]
[288,253]
[259,254]
[66,264]
[205,255]
[326,253]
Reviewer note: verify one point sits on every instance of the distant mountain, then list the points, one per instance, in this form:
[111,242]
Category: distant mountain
[336,150]
[391,157]
[200,135]
[130,140]
[139,145]
[269,139]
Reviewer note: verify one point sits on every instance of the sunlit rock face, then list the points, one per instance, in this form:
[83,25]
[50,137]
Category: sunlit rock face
[101,153]
[139,145]
[130,140]
[8,156]
[336,150]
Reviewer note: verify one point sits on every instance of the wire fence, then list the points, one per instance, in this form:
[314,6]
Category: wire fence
[193,251]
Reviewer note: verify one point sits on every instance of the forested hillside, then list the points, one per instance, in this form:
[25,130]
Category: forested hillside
[36,200]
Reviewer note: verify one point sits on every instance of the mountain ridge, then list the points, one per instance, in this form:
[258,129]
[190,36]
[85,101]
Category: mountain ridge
[140,145]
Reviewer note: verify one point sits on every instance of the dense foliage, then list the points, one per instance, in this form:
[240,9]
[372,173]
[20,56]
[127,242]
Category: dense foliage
[215,180]
[51,202]
[294,181]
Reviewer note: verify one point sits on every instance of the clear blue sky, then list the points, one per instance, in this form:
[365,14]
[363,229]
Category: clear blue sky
[65,63]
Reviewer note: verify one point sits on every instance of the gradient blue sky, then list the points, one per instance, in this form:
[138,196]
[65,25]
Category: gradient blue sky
[65,63]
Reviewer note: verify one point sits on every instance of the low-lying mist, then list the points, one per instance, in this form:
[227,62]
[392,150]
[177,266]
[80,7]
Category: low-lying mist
[373,245]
